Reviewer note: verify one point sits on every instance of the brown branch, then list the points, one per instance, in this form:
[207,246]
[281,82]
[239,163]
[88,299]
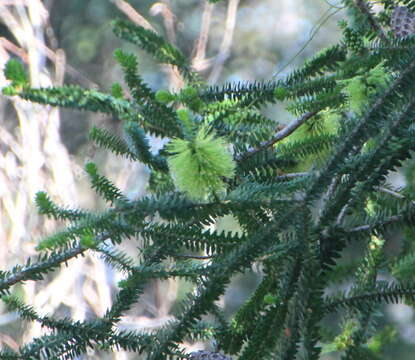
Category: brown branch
[168,19]
[60,67]
[328,194]
[342,214]
[55,57]
[292,175]
[199,61]
[225,47]
[391,220]
[175,78]
[282,134]
[197,257]
[391,192]
[14,49]
[133,15]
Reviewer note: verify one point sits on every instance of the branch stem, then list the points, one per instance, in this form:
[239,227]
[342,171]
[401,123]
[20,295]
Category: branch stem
[280,135]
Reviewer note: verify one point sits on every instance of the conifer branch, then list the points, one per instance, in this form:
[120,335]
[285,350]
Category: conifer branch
[362,5]
[359,133]
[196,257]
[360,228]
[342,214]
[280,135]
[382,292]
[296,208]
[36,271]
[45,264]
[292,175]
[224,51]
[391,192]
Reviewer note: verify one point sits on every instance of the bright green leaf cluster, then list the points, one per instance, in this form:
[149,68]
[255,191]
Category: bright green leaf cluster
[164,96]
[199,164]
[270,299]
[15,72]
[360,87]
[280,93]
[88,241]
[116,91]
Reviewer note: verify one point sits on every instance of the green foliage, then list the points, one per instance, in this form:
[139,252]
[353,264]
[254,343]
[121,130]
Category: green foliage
[301,193]
[280,93]
[189,96]
[164,96]
[141,91]
[103,186]
[199,163]
[47,207]
[353,40]
[15,72]
[360,87]
[148,40]
[116,91]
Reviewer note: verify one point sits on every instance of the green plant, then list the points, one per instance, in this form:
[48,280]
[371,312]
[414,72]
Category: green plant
[300,193]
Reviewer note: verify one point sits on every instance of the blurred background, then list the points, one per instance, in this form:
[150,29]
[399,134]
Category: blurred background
[44,148]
